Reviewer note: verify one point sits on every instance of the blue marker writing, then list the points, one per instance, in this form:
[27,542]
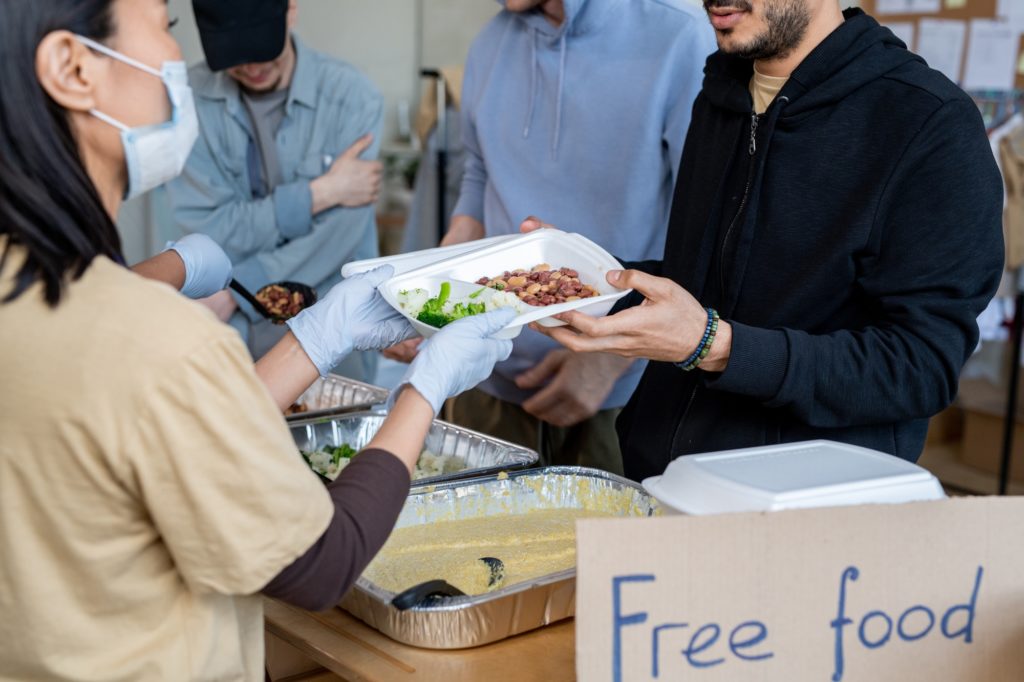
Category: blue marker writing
[842,621]
[619,621]
[655,644]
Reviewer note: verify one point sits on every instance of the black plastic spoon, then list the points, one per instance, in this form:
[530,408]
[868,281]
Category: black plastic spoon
[247,295]
[434,591]
[307,292]
[425,594]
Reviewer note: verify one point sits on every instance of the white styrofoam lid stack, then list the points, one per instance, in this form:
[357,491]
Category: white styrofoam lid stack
[817,473]
[404,262]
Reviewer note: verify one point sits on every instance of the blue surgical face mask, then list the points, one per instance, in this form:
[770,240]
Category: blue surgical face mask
[157,153]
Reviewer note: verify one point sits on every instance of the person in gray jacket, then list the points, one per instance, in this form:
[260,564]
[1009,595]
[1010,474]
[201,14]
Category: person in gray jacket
[284,174]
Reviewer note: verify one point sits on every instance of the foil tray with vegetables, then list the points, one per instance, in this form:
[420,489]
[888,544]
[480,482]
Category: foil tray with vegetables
[450,452]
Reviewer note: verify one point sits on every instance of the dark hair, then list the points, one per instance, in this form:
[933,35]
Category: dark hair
[48,204]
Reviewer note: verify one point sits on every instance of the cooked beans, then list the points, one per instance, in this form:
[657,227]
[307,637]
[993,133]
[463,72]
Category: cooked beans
[280,302]
[542,285]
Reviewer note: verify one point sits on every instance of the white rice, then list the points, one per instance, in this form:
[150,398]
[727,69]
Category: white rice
[323,463]
[413,300]
[431,464]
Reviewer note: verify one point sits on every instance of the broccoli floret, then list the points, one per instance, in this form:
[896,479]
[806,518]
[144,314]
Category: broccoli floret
[340,452]
[462,310]
[433,310]
[433,319]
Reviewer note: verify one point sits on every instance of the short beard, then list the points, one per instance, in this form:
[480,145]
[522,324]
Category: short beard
[787,24]
[264,90]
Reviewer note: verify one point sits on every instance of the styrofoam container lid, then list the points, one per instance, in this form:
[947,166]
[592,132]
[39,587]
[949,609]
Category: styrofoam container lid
[817,473]
[554,247]
[405,262]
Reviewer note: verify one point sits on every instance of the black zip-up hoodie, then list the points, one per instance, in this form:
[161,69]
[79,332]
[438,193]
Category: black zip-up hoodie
[851,235]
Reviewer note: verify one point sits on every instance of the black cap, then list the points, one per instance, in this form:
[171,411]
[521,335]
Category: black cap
[241,31]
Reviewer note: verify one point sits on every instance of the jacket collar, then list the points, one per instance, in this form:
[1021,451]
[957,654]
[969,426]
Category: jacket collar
[304,80]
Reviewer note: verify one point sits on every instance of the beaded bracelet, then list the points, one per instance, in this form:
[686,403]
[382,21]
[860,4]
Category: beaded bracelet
[704,347]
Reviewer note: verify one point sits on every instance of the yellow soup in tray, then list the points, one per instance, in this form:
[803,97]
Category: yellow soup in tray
[530,545]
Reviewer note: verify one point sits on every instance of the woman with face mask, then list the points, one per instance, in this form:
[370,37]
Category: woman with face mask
[149,488]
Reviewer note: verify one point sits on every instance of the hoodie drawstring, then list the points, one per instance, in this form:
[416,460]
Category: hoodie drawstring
[561,87]
[535,83]
[533,87]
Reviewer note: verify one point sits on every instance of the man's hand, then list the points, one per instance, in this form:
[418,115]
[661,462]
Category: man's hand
[222,304]
[575,385]
[350,181]
[463,228]
[403,352]
[667,326]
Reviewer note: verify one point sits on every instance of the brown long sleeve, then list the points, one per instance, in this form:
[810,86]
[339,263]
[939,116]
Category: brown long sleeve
[367,496]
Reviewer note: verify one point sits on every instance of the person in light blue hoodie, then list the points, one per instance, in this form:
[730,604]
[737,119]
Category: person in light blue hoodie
[574,110]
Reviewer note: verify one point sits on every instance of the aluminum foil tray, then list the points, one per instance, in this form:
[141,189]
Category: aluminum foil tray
[460,622]
[483,454]
[336,394]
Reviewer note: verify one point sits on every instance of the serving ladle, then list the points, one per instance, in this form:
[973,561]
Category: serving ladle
[432,591]
[308,297]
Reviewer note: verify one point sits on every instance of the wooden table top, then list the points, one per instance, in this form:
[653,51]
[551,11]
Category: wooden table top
[351,649]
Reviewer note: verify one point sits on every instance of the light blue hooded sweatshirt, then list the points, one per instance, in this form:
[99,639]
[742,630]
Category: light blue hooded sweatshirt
[583,126]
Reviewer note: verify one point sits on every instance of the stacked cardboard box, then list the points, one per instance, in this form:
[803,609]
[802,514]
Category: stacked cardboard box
[984,408]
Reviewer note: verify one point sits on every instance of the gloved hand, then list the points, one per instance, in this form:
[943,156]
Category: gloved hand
[458,357]
[207,267]
[352,316]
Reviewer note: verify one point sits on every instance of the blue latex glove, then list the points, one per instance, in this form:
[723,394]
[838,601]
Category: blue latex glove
[458,357]
[207,267]
[352,316]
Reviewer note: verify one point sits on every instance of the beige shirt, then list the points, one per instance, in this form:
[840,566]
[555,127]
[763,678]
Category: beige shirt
[149,487]
[764,89]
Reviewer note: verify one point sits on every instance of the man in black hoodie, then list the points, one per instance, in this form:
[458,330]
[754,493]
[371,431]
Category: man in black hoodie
[839,208]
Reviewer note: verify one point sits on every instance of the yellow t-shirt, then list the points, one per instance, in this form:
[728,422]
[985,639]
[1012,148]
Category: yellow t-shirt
[764,89]
[149,487]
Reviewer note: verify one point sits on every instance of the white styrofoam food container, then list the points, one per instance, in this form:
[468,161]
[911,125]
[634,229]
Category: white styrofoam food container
[404,262]
[817,473]
[554,247]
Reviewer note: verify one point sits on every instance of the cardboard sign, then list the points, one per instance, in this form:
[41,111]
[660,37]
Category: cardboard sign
[925,591]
